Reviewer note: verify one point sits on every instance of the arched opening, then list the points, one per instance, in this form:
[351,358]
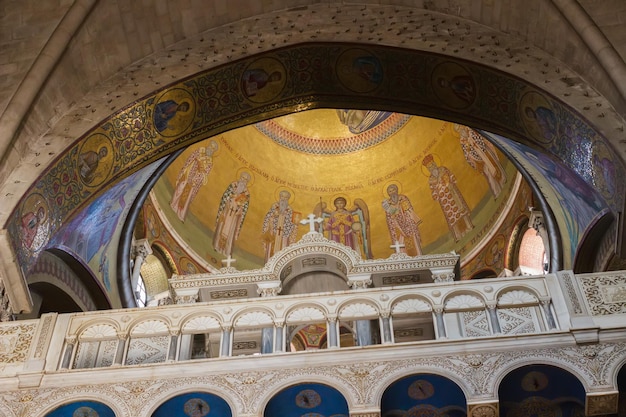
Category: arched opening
[82,408]
[307,399]
[423,395]
[541,390]
[194,404]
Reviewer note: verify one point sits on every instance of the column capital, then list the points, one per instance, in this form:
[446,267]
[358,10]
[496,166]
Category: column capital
[365,414]
[142,248]
[486,409]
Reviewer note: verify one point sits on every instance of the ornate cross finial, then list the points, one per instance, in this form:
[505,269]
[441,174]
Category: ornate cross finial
[228,261]
[311,220]
[397,246]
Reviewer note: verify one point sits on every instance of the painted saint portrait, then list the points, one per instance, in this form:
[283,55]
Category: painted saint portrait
[173,112]
[231,214]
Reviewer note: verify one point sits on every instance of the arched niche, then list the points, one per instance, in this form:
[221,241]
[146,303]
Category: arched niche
[541,390]
[194,404]
[68,284]
[307,399]
[423,394]
[314,273]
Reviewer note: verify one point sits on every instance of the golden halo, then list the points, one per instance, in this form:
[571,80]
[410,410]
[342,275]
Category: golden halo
[240,171]
[336,196]
[280,189]
[392,182]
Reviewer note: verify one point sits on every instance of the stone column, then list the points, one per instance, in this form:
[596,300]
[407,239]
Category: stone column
[385,327]
[141,250]
[331,329]
[492,310]
[484,409]
[439,322]
[537,222]
[268,289]
[546,305]
[227,343]
[363,327]
[279,336]
[122,337]
[172,354]
[68,352]
[6,312]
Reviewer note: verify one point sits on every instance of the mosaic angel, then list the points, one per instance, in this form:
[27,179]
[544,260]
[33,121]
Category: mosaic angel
[349,226]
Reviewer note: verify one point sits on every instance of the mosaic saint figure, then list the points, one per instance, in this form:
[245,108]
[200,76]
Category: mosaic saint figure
[358,121]
[402,221]
[165,111]
[192,176]
[348,226]
[30,226]
[369,68]
[88,164]
[445,191]
[545,120]
[256,79]
[231,214]
[462,86]
[481,155]
[280,225]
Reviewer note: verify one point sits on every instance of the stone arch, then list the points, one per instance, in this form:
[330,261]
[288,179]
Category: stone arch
[205,402]
[59,398]
[542,386]
[347,391]
[377,391]
[416,392]
[174,388]
[414,108]
[537,358]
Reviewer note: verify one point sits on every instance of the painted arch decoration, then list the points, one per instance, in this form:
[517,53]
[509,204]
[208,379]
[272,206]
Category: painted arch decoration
[313,75]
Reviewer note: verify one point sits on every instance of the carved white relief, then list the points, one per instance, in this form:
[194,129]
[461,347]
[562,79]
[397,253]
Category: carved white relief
[521,320]
[357,310]
[202,323]
[306,314]
[99,331]
[412,305]
[463,301]
[254,319]
[146,350]
[149,327]
[517,297]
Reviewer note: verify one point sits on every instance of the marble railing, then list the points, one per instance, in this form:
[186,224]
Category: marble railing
[329,320]
[562,303]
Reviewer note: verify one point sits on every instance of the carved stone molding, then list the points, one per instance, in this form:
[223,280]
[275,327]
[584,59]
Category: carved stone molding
[602,404]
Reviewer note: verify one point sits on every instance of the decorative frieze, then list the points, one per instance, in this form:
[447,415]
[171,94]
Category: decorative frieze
[490,409]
